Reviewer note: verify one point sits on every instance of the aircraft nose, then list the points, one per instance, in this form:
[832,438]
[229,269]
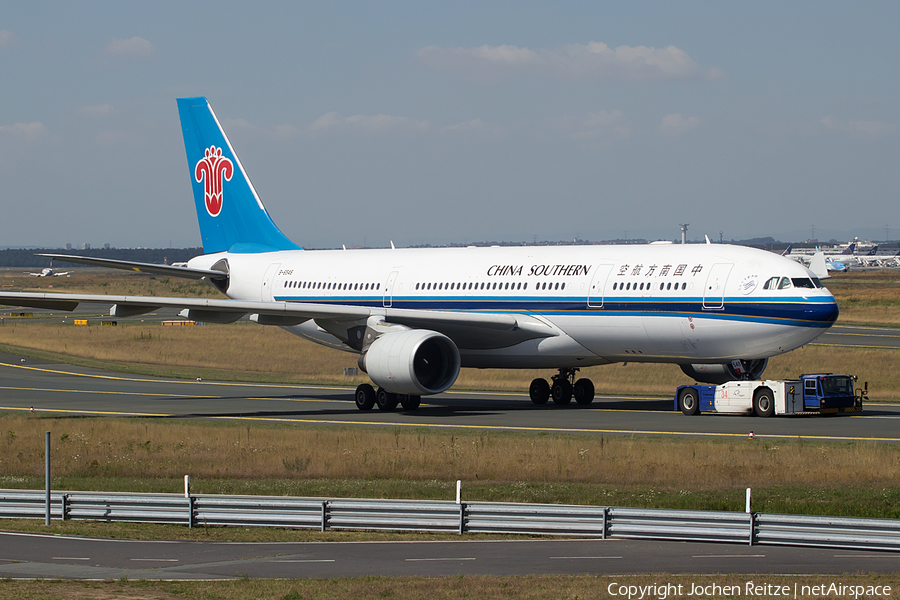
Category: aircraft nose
[824,313]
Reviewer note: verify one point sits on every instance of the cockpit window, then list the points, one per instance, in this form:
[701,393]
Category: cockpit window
[784,284]
[771,283]
[803,282]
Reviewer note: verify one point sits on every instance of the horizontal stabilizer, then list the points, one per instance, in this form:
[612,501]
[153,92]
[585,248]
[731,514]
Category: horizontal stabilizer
[140,267]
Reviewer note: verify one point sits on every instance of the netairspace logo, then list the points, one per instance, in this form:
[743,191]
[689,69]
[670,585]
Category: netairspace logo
[748,589]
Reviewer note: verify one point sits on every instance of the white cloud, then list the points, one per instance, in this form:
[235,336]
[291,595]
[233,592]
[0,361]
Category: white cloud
[862,129]
[675,124]
[101,110]
[473,125]
[7,38]
[236,124]
[136,47]
[368,123]
[604,123]
[25,131]
[594,60]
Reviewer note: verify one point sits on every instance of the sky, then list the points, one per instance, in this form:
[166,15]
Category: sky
[366,123]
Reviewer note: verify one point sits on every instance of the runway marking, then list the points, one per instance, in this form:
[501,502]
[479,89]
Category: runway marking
[583,557]
[85,412]
[558,430]
[473,427]
[729,556]
[886,555]
[856,346]
[68,558]
[321,560]
[167,380]
[155,559]
[28,389]
[436,559]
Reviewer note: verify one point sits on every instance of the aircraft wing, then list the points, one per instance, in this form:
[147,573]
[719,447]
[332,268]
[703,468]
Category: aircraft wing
[471,330]
[140,267]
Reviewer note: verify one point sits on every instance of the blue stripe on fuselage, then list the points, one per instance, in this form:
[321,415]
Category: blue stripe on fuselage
[801,312]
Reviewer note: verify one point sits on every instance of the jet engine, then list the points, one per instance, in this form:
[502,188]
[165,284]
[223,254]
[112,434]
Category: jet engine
[733,371]
[414,362]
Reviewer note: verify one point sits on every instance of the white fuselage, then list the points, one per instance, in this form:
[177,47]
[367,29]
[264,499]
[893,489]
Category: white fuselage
[652,303]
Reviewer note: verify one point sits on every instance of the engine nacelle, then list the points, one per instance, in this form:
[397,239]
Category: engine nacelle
[734,371]
[415,362]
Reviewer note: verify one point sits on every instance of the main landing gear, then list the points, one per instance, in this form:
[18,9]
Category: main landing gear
[563,389]
[367,397]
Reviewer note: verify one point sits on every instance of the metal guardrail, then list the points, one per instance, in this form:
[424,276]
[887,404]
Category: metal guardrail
[465,517]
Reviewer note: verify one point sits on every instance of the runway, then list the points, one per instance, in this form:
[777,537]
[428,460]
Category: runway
[51,557]
[55,388]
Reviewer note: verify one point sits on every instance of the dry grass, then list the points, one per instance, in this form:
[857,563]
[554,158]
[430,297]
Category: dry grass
[162,449]
[584,587]
[484,587]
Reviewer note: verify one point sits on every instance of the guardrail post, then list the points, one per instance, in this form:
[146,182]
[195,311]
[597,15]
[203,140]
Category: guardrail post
[752,526]
[604,522]
[324,515]
[64,501]
[190,503]
[47,476]
[462,518]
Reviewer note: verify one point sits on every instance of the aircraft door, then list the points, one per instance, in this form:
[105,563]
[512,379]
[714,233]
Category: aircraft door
[714,292]
[267,293]
[598,284]
[389,289]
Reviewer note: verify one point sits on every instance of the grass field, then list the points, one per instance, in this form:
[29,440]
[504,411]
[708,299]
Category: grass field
[788,476]
[576,587]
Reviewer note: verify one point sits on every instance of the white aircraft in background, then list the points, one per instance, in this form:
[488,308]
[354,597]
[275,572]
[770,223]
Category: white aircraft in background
[49,273]
[416,316]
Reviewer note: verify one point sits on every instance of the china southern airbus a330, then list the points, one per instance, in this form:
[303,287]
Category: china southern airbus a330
[416,316]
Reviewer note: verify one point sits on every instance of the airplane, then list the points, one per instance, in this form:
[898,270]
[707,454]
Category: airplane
[49,273]
[415,317]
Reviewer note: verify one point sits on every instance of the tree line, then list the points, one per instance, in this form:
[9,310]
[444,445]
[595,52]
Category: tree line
[27,258]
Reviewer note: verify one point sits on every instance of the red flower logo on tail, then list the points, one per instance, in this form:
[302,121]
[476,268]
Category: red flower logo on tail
[212,169]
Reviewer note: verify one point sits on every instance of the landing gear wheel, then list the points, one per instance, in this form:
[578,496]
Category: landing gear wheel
[688,402]
[410,402]
[763,403]
[539,391]
[583,391]
[561,392]
[365,397]
[386,401]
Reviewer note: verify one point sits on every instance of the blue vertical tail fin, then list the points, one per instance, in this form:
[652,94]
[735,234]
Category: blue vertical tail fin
[231,215]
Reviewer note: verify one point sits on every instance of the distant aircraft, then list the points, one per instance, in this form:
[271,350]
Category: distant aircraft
[49,273]
[416,316]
